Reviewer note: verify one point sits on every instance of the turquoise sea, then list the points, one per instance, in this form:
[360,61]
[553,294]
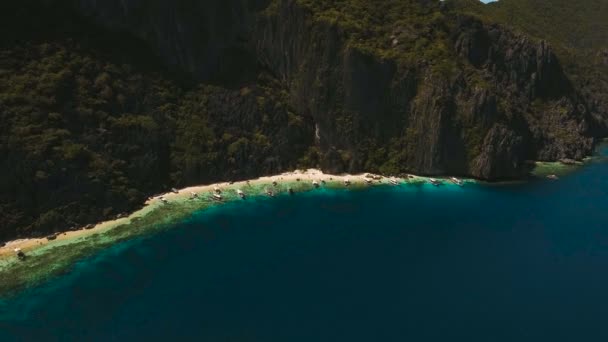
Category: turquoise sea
[519,262]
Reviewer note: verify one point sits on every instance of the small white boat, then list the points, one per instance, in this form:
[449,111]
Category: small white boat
[217,197]
[217,190]
[269,193]
[393,181]
[347,182]
[315,183]
[434,181]
[240,193]
[368,181]
[553,177]
[174,190]
[456,181]
[193,194]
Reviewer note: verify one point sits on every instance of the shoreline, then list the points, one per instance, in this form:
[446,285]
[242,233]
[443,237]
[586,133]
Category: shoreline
[302,180]
[46,257]
[303,177]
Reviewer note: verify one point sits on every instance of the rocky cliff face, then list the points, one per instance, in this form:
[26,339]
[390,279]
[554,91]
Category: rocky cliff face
[538,110]
[506,101]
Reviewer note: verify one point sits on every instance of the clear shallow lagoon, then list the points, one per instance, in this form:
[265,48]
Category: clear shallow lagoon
[523,262]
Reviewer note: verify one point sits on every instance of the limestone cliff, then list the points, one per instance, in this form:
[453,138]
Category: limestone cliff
[505,99]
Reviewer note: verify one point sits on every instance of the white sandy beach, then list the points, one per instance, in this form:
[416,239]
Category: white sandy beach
[29,245]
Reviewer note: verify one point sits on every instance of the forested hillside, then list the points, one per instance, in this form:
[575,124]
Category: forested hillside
[91,123]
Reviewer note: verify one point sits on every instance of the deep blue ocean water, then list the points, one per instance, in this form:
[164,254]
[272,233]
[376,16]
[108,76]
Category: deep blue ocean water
[526,262]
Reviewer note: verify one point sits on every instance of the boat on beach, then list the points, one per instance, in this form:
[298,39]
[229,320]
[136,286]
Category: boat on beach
[456,181]
[347,181]
[174,190]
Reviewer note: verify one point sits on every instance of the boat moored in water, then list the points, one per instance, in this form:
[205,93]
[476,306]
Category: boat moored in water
[315,183]
[217,197]
[434,181]
[456,181]
[553,177]
[240,193]
[217,190]
[347,182]
[269,193]
[393,181]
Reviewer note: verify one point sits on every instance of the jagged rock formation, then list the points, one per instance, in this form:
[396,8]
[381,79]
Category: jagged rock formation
[413,86]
